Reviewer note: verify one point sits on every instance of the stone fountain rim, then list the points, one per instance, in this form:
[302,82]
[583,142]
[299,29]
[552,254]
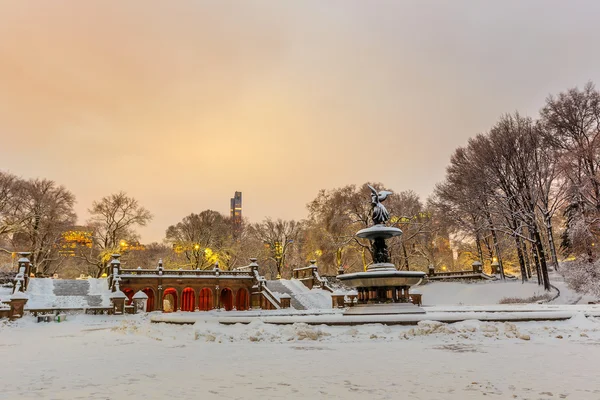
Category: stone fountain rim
[383,274]
[379,230]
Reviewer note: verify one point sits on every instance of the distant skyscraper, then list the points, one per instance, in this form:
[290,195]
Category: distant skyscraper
[235,212]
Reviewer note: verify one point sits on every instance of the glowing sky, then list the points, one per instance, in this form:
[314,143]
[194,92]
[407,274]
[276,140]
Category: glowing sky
[182,103]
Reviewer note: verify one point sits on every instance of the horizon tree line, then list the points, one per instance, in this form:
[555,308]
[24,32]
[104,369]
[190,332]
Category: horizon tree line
[522,195]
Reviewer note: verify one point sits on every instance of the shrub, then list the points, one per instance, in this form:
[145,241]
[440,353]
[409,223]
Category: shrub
[532,299]
[582,276]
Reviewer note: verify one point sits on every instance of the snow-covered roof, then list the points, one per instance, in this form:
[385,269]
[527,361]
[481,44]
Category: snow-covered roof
[139,295]
[118,295]
[18,296]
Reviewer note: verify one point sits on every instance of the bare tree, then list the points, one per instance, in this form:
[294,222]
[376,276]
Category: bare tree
[113,219]
[11,203]
[279,237]
[203,239]
[571,125]
[47,211]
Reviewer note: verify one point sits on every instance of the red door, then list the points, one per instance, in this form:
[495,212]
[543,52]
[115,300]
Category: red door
[205,302]
[241,300]
[227,299]
[187,299]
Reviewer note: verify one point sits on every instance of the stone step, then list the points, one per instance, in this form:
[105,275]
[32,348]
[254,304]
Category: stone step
[94,300]
[277,286]
[71,287]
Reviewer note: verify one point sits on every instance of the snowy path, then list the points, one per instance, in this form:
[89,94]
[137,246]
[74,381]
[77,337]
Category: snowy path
[127,358]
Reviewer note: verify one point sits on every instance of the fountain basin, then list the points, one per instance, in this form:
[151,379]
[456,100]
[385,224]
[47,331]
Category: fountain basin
[378,231]
[382,277]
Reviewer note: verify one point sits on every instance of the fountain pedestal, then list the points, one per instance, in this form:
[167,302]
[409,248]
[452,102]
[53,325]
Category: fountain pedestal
[382,289]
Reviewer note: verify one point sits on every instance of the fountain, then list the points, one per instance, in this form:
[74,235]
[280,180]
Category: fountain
[382,289]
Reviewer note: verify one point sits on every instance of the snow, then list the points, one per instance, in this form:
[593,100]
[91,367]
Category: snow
[475,293]
[41,294]
[117,294]
[98,357]
[139,295]
[568,295]
[5,293]
[310,299]
[18,296]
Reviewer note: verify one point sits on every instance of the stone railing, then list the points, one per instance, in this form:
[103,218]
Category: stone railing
[185,272]
[310,277]
[269,301]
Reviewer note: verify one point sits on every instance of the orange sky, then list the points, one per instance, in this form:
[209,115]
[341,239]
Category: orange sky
[182,103]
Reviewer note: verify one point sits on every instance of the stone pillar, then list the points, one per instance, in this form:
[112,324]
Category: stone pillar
[285,300]
[431,270]
[24,271]
[118,300]
[337,299]
[140,301]
[495,267]
[5,309]
[352,295]
[115,265]
[477,267]
[314,273]
[17,304]
[159,300]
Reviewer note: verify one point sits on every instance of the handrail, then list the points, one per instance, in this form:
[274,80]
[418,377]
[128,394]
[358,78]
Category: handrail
[266,292]
[322,281]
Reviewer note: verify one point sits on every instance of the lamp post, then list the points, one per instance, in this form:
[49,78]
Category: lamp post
[278,258]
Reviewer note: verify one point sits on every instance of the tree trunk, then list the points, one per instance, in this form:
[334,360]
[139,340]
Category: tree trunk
[496,246]
[405,257]
[536,259]
[551,242]
[542,253]
[479,250]
[521,259]
[525,257]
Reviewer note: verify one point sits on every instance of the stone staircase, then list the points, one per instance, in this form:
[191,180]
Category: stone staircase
[67,293]
[278,287]
[79,288]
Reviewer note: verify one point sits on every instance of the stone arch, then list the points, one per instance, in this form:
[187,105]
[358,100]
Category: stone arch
[188,297]
[169,300]
[242,299]
[226,299]
[205,299]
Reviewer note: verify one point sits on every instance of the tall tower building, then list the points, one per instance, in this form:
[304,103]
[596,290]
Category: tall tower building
[235,211]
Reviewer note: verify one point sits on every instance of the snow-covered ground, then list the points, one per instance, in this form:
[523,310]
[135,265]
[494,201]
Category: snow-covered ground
[476,292]
[100,357]
[5,293]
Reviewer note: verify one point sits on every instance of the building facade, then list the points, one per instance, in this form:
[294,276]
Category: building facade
[235,211]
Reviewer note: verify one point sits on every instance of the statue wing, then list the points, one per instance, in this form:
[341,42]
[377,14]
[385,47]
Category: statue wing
[384,194]
[372,189]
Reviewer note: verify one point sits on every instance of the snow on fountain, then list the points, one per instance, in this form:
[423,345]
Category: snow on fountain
[382,289]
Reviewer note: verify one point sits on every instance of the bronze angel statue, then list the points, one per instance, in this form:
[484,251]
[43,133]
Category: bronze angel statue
[380,214]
